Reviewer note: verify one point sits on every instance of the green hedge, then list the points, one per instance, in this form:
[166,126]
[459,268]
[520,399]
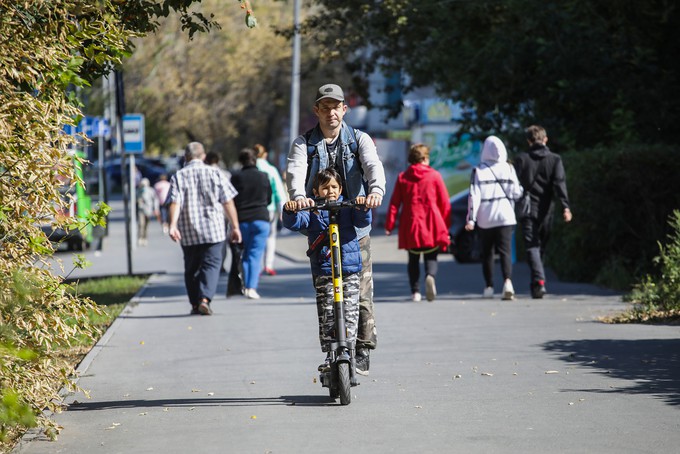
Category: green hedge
[621,200]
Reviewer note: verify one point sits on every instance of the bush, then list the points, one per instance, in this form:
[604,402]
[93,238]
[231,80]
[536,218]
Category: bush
[659,294]
[621,199]
[36,310]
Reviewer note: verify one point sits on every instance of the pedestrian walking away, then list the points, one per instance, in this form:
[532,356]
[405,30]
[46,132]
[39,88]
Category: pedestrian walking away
[541,172]
[326,185]
[254,194]
[352,153]
[491,208]
[424,221]
[199,199]
[162,187]
[279,197]
[148,207]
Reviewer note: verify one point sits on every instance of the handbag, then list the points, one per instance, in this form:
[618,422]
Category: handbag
[522,205]
[235,283]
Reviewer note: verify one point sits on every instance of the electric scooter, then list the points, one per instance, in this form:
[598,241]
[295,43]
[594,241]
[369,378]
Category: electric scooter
[340,375]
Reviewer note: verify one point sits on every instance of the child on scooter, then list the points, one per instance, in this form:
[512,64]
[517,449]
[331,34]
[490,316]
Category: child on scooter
[327,185]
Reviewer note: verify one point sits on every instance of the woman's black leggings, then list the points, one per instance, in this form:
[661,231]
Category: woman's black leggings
[430,258]
[499,238]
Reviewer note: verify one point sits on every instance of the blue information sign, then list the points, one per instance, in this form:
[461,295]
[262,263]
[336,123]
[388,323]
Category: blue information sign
[133,133]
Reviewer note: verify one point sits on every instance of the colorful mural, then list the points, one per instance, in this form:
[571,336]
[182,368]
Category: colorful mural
[453,156]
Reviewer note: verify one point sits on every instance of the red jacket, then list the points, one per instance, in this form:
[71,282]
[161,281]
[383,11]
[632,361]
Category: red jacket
[426,213]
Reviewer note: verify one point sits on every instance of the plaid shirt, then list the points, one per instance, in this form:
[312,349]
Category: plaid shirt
[200,191]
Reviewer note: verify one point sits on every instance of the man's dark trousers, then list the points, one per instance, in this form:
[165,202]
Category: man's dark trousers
[202,264]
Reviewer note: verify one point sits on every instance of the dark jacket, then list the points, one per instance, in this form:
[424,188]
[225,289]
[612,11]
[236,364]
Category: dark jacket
[317,223]
[254,194]
[540,171]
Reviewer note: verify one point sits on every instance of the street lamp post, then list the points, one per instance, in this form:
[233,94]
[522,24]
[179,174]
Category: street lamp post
[295,77]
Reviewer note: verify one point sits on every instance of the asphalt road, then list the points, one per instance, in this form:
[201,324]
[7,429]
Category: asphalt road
[461,374]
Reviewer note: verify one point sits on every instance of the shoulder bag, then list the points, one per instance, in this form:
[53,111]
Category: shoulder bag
[522,205]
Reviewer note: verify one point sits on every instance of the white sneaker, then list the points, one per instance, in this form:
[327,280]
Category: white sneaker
[508,291]
[488,292]
[430,288]
[251,294]
[416,297]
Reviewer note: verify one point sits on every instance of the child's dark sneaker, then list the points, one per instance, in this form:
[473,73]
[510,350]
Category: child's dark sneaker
[326,365]
[362,361]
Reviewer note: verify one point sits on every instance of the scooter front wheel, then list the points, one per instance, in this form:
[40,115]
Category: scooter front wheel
[344,384]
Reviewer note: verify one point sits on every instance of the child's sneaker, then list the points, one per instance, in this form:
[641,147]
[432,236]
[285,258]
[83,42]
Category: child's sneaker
[362,360]
[488,292]
[416,297]
[430,288]
[326,365]
[508,291]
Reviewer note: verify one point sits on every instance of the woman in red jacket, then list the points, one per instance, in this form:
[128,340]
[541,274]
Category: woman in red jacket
[424,220]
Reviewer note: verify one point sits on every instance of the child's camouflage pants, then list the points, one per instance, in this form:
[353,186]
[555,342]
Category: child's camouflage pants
[324,307]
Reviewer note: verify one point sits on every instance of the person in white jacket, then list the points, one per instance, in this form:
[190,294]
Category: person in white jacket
[491,207]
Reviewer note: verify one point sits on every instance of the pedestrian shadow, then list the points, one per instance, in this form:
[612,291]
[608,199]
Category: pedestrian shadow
[460,281]
[651,365]
[201,402]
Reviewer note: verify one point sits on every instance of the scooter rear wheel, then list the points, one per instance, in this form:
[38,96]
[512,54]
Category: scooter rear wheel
[344,384]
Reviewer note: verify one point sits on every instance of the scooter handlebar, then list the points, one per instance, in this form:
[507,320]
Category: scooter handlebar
[323,204]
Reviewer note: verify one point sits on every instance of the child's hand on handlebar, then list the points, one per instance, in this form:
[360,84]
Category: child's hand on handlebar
[304,202]
[291,205]
[360,201]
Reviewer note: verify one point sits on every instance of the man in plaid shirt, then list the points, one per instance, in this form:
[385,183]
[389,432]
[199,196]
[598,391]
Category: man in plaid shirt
[199,198]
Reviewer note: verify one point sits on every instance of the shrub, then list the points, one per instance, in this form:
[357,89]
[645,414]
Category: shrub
[659,293]
[621,199]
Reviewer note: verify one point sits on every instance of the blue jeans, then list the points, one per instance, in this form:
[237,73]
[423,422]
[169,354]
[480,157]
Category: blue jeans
[254,235]
[202,270]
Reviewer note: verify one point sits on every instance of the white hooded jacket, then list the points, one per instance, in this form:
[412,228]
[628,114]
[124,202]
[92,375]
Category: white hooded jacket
[493,188]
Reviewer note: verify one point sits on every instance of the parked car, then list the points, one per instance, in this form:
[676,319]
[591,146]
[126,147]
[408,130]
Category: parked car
[73,205]
[465,246]
[149,168]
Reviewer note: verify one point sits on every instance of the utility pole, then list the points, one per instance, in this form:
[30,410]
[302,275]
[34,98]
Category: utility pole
[119,112]
[295,77]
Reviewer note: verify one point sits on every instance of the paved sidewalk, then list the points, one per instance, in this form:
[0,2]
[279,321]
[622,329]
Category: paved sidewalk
[461,374]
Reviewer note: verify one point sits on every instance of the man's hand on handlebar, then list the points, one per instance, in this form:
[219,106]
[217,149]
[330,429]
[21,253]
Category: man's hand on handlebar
[373,200]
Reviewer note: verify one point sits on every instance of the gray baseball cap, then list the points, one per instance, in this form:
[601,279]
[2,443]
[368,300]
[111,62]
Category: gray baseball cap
[330,91]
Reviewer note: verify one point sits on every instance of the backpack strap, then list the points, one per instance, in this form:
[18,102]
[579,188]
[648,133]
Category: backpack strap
[311,153]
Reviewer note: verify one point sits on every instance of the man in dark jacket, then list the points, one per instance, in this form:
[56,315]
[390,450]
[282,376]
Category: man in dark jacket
[540,172]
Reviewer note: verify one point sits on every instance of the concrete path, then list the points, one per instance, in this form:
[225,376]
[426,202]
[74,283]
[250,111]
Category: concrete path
[461,374]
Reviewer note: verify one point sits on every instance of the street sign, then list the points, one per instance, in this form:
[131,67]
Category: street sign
[133,133]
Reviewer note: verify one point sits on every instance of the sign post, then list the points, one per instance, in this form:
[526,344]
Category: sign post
[133,138]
